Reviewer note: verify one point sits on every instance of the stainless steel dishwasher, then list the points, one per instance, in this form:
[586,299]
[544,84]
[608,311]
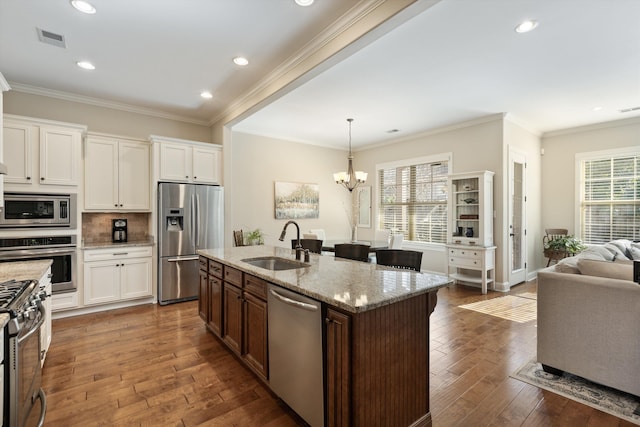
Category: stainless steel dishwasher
[295,353]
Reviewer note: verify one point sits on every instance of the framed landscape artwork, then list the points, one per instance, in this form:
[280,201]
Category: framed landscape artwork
[295,200]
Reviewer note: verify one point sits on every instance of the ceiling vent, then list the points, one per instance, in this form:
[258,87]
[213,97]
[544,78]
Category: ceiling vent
[628,110]
[51,38]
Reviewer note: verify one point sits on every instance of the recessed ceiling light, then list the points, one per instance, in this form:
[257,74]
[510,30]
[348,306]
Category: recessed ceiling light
[86,65]
[83,6]
[597,108]
[206,95]
[239,60]
[304,2]
[526,26]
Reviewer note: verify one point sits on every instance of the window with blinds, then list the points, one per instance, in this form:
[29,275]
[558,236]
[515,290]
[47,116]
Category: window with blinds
[413,201]
[610,202]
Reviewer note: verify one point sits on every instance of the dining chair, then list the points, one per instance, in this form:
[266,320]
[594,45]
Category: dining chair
[409,260]
[551,234]
[396,241]
[319,232]
[238,238]
[352,251]
[314,245]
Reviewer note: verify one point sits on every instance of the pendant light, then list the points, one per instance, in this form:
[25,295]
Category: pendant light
[350,179]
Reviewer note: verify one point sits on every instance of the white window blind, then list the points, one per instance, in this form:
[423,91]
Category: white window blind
[413,201]
[610,205]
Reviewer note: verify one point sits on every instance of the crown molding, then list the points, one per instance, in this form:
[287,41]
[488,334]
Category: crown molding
[595,126]
[435,131]
[4,86]
[67,96]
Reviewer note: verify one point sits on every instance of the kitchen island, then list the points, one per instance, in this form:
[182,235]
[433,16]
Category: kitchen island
[375,333]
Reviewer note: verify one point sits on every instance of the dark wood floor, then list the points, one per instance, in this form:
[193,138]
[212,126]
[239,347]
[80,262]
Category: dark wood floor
[152,365]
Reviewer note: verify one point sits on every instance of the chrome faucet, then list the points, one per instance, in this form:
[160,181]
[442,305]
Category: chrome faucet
[298,244]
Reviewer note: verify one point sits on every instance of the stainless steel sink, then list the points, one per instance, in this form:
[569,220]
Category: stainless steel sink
[275,263]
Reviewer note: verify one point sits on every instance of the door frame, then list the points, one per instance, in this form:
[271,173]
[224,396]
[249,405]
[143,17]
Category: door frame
[516,276]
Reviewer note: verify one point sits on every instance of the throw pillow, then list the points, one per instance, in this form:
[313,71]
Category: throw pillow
[620,248]
[612,270]
[635,251]
[598,252]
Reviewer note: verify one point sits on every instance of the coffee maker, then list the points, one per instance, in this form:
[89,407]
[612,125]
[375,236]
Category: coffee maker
[119,230]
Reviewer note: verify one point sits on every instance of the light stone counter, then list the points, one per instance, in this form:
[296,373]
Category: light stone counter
[23,270]
[353,286]
[109,245]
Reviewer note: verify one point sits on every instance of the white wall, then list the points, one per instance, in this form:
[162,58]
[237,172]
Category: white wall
[101,119]
[257,162]
[475,146]
[558,165]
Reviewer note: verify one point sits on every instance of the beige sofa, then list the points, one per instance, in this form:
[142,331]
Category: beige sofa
[589,319]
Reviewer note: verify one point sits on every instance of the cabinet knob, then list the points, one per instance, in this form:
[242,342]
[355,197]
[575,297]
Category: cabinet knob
[116,205]
[29,178]
[120,204]
[327,320]
[195,177]
[186,176]
[42,178]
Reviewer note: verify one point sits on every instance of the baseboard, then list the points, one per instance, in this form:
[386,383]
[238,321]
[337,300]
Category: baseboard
[98,308]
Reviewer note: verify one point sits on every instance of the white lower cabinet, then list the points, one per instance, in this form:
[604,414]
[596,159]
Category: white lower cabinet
[45,329]
[112,275]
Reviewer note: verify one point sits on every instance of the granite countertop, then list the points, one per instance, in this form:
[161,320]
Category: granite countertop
[4,319]
[109,245]
[353,286]
[23,270]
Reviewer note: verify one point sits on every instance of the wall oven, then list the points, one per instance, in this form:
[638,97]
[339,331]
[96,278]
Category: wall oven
[28,210]
[60,249]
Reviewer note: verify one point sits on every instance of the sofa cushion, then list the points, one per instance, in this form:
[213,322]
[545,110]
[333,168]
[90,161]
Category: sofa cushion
[622,270]
[568,265]
[635,251]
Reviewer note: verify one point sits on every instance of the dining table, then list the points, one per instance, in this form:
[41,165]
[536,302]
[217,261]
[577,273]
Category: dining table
[374,245]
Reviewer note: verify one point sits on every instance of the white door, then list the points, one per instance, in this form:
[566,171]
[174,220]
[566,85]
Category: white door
[175,162]
[133,170]
[136,278]
[517,217]
[59,156]
[205,165]
[17,153]
[101,282]
[101,174]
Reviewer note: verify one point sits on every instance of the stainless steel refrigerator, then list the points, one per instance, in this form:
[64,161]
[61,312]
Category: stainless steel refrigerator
[190,217]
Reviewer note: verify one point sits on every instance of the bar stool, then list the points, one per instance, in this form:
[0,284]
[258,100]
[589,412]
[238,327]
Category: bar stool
[409,260]
[314,245]
[352,251]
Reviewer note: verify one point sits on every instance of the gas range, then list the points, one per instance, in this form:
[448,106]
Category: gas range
[16,296]
[22,370]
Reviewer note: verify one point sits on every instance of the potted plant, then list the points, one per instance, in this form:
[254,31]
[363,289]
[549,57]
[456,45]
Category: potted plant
[563,246]
[255,237]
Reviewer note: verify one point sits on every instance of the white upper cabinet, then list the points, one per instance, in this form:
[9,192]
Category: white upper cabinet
[188,161]
[117,174]
[41,153]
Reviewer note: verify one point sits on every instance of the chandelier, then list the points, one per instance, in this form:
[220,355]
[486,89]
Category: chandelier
[350,179]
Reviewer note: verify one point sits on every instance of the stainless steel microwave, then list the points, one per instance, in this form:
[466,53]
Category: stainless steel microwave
[26,210]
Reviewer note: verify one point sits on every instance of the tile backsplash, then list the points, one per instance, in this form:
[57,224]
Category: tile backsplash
[96,227]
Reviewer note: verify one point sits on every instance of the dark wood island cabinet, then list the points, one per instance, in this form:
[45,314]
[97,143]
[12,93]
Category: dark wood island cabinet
[375,342]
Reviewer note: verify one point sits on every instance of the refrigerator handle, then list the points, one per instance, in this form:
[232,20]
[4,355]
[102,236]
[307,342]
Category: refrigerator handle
[197,223]
[192,230]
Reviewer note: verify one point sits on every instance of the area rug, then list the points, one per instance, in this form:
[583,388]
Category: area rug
[605,399]
[519,308]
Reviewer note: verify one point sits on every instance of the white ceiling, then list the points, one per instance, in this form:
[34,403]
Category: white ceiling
[458,60]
